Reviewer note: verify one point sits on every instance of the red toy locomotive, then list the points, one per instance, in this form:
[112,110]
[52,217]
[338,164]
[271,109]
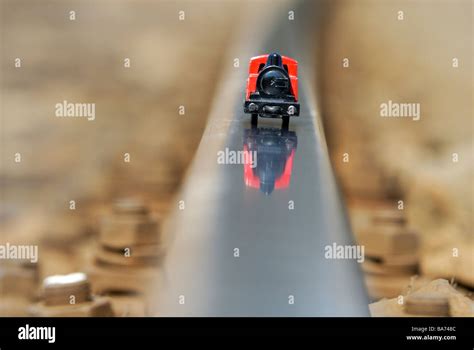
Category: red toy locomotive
[272,88]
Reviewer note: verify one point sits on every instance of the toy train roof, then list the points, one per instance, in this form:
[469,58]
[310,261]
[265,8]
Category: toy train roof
[264,57]
[257,60]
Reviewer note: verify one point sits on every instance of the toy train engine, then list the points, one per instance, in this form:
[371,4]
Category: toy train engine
[272,88]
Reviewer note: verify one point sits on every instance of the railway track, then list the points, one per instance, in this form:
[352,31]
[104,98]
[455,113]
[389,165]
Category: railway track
[234,250]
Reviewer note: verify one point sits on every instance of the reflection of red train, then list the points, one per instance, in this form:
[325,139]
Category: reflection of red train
[274,150]
[272,87]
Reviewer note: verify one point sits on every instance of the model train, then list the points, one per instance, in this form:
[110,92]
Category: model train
[272,88]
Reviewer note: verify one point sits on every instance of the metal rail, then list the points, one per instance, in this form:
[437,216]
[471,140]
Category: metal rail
[235,250]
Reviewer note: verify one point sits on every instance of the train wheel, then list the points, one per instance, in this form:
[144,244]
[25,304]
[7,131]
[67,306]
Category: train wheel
[254,118]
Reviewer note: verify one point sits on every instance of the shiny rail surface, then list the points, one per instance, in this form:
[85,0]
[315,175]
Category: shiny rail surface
[238,250]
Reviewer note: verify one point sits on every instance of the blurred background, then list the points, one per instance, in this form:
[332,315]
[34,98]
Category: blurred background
[415,52]
[155,111]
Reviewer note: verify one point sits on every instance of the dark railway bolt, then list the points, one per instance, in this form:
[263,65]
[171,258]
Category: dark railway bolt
[58,289]
[130,249]
[130,224]
[388,238]
[70,295]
